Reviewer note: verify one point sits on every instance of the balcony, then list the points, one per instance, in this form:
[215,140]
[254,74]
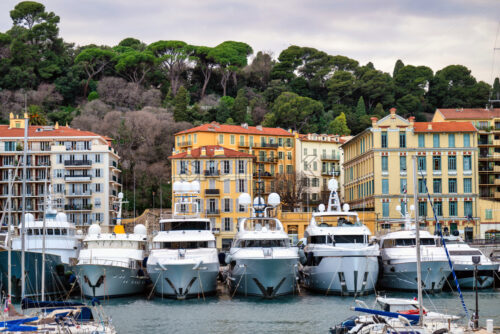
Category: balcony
[79,194]
[185,143]
[78,207]
[272,160]
[78,178]
[330,172]
[330,157]
[77,163]
[263,175]
[212,192]
[258,145]
[211,173]
[213,212]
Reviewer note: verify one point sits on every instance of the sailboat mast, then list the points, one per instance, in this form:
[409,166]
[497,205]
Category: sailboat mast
[417,237]
[9,237]
[46,205]
[23,217]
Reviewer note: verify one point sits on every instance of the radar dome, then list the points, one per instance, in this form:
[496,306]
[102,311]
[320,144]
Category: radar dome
[61,217]
[346,207]
[140,229]
[333,185]
[259,202]
[29,218]
[273,199]
[195,186]
[120,195]
[244,199]
[321,207]
[94,229]
[177,186]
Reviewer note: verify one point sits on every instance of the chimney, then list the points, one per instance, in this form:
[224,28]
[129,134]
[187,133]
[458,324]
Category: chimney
[309,136]
[56,126]
[429,126]
[412,120]
[259,127]
[244,125]
[374,121]
[393,112]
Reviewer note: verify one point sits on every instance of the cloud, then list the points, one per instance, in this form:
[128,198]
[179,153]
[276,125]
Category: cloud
[424,32]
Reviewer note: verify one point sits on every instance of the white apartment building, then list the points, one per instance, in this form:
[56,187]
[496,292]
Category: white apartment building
[81,167]
[318,158]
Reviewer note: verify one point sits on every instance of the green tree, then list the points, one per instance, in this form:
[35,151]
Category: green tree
[379,111]
[376,86]
[412,80]
[134,65]
[339,126]
[495,92]
[224,109]
[408,105]
[173,58]
[341,87]
[93,61]
[36,115]
[399,65]
[360,107]
[132,43]
[205,63]
[230,56]
[240,107]
[181,104]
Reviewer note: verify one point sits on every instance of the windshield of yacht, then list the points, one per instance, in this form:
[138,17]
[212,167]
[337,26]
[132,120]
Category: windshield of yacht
[339,239]
[465,252]
[185,244]
[337,221]
[185,225]
[256,224]
[408,242]
[262,243]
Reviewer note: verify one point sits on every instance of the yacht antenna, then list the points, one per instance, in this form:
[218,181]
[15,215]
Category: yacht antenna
[23,217]
[9,238]
[260,183]
[417,237]
[46,206]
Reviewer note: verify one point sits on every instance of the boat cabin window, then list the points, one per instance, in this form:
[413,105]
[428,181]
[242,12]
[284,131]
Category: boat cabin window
[185,244]
[338,239]
[185,225]
[57,231]
[30,232]
[262,243]
[320,239]
[256,224]
[408,242]
[465,252]
[335,221]
[50,231]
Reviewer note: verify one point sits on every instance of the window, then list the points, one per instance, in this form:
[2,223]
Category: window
[385,186]
[402,139]
[384,139]
[451,140]
[241,166]
[402,163]
[97,158]
[421,186]
[280,142]
[421,140]
[468,209]
[385,209]
[233,139]
[289,169]
[402,185]
[315,166]
[242,141]
[10,146]
[305,151]
[422,164]
[289,155]
[467,185]
[227,186]
[466,140]
[436,164]
[226,167]
[97,187]
[183,167]
[227,205]
[97,203]
[452,163]
[467,163]
[97,172]
[422,209]
[438,207]
[315,152]
[385,164]
[196,167]
[228,224]
[436,186]
[453,208]
[489,214]
[281,155]
[435,140]
[315,182]
[221,139]
[289,142]
[195,138]
[452,185]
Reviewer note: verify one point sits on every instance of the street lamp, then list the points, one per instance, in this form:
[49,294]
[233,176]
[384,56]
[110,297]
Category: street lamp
[476,260]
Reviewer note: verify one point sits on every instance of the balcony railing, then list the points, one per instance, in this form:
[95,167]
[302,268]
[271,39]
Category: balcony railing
[211,173]
[78,207]
[214,212]
[77,178]
[268,159]
[331,172]
[185,143]
[330,156]
[70,163]
[212,192]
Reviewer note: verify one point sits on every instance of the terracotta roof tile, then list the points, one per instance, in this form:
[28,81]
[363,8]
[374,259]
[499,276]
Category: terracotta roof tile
[46,131]
[338,140]
[470,113]
[444,127]
[225,128]
[209,149]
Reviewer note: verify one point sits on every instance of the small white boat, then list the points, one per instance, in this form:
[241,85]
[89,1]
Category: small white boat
[261,261]
[339,257]
[183,262]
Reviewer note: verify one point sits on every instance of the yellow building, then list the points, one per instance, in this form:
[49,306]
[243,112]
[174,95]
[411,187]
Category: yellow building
[378,171]
[223,174]
[273,148]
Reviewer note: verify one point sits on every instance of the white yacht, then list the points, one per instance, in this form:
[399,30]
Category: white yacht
[183,262]
[461,255]
[399,260]
[261,261]
[339,257]
[111,264]
[62,244]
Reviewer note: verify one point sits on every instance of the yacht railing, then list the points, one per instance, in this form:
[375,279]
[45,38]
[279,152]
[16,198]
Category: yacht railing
[257,223]
[105,262]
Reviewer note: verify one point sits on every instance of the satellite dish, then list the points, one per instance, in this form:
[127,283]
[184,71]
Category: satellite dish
[273,199]
[346,207]
[244,199]
[321,207]
[398,208]
[177,186]
[333,185]
[412,207]
[195,186]
[120,195]
[259,203]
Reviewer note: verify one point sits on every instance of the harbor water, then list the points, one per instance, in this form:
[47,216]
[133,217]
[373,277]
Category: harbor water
[307,313]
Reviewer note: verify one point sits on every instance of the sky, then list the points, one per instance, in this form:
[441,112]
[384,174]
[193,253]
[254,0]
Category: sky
[435,33]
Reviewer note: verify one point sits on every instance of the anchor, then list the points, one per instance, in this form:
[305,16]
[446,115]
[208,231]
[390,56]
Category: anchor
[270,291]
[96,285]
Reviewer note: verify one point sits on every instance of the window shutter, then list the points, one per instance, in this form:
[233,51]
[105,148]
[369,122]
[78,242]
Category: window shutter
[230,205]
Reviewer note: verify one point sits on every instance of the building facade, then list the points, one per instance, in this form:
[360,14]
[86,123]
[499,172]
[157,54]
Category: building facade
[223,175]
[80,166]
[318,159]
[378,172]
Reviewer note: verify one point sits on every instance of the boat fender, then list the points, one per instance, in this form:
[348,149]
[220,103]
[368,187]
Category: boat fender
[440,331]
[228,259]
[302,256]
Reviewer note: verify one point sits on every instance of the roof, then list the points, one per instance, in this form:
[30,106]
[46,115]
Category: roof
[42,131]
[210,153]
[444,127]
[312,137]
[226,128]
[470,113]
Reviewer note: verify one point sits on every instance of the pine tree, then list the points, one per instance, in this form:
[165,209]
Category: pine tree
[339,125]
[399,65]
[240,107]
[181,103]
[360,107]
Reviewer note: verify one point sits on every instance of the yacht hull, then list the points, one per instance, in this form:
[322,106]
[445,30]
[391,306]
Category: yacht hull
[184,280]
[465,275]
[263,277]
[403,276]
[56,282]
[343,275]
[109,281]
